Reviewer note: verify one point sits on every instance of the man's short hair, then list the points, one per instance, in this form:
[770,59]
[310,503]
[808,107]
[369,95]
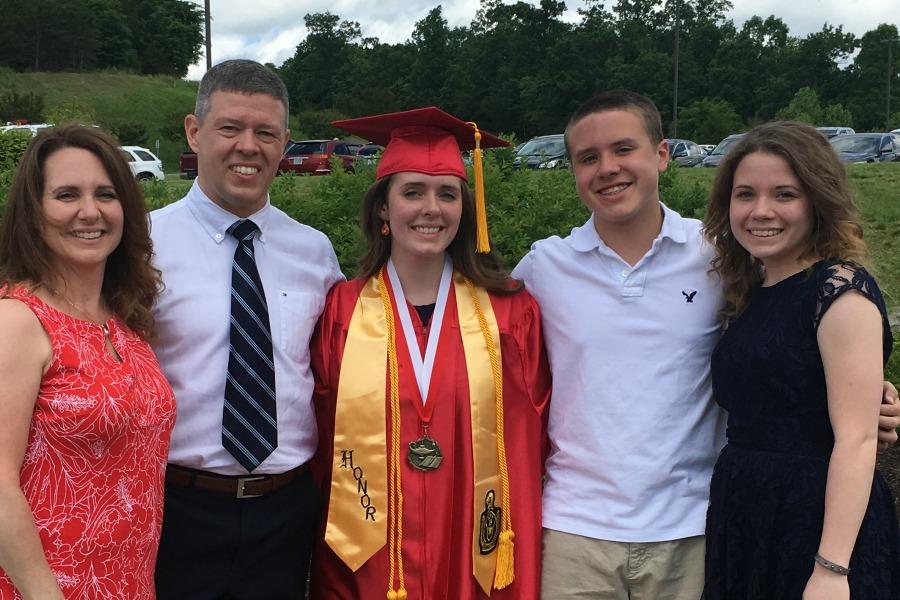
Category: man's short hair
[241,76]
[621,100]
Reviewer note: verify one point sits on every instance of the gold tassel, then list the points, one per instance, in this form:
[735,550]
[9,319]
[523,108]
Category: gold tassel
[483,245]
[506,572]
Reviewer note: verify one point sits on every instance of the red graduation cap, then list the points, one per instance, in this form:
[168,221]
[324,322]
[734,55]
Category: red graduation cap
[428,140]
[423,140]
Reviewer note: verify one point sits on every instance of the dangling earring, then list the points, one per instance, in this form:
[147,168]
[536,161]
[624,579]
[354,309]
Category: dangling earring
[385,229]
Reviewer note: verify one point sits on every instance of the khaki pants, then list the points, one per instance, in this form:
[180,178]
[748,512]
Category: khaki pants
[581,568]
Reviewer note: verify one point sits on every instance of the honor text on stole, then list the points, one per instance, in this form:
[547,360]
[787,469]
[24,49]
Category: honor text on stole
[361,484]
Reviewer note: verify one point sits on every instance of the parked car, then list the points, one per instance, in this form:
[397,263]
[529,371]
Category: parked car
[830,132]
[868,147]
[187,164]
[32,128]
[719,152]
[313,157]
[369,153]
[543,152]
[144,164]
[895,130]
[685,153]
[708,148]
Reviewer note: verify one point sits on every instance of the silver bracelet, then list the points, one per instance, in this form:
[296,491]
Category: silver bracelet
[832,566]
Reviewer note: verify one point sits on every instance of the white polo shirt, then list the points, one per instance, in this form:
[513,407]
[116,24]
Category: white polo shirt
[297,267]
[634,431]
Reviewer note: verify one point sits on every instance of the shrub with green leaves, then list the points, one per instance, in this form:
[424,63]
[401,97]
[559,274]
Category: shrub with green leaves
[12,146]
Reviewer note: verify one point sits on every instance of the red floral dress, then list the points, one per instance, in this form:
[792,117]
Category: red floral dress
[95,462]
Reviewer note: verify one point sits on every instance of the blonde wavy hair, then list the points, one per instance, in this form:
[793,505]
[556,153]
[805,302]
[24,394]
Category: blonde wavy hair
[836,233]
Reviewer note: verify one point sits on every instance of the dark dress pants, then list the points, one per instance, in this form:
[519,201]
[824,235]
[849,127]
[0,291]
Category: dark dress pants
[217,547]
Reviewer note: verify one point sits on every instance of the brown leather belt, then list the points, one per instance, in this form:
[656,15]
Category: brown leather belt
[246,486]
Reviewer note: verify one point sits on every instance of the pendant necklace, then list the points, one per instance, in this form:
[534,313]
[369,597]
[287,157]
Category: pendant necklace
[104,325]
[424,453]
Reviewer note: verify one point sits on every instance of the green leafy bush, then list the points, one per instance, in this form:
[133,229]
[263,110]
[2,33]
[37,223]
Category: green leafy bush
[12,147]
[5,181]
[685,195]
[160,193]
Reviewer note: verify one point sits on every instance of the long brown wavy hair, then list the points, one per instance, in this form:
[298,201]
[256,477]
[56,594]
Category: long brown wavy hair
[836,232]
[130,283]
[485,270]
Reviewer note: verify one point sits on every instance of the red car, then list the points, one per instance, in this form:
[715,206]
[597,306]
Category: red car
[313,157]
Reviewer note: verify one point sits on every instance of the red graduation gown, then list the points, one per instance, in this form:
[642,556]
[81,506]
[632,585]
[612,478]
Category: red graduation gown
[437,519]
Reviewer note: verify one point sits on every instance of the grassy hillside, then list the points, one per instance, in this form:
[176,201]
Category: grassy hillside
[158,103]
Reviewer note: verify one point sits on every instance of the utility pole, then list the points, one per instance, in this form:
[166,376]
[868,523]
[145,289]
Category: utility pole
[208,37]
[890,74]
[675,91]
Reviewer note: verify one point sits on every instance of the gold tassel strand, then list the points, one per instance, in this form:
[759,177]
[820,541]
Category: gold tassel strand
[395,493]
[504,573]
[483,242]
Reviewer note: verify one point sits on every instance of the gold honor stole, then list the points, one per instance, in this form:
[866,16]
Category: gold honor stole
[357,525]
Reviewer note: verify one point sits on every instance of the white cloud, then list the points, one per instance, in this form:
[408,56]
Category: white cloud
[807,16]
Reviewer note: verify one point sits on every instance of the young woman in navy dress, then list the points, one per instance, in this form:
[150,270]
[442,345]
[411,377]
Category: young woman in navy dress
[797,509]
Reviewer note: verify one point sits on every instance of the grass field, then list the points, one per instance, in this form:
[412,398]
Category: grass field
[157,102]
[112,97]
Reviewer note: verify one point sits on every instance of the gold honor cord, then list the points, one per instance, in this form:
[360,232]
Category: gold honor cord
[395,491]
[492,541]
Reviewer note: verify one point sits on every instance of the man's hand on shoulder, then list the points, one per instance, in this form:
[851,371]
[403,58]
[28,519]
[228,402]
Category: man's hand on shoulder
[889,419]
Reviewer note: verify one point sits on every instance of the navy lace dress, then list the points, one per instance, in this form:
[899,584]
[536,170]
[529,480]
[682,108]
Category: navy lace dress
[767,497]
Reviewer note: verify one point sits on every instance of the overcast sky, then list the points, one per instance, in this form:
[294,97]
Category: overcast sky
[269,30]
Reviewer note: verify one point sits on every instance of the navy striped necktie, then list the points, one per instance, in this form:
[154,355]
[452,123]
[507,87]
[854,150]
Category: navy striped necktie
[249,430]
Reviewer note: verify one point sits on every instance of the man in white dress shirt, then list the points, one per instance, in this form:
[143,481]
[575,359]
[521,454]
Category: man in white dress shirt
[233,529]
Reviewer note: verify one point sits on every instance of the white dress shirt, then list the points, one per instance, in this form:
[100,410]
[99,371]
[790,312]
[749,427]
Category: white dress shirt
[297,266]
[634,431]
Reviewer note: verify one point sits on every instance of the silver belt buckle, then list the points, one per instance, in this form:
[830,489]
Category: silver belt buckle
[240,486]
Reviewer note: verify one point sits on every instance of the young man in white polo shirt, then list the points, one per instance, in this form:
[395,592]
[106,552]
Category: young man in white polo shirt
[630,316]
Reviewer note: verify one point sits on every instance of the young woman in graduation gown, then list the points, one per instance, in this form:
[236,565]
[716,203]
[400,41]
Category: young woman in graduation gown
[431,389]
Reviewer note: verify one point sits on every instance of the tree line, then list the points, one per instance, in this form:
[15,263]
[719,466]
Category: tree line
[520,68]
[141,36]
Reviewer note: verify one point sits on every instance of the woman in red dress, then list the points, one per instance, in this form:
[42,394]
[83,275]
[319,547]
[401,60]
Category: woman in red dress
[432,389]
[86,411]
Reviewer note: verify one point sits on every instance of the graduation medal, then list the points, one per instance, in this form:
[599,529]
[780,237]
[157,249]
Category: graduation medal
[424,454]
